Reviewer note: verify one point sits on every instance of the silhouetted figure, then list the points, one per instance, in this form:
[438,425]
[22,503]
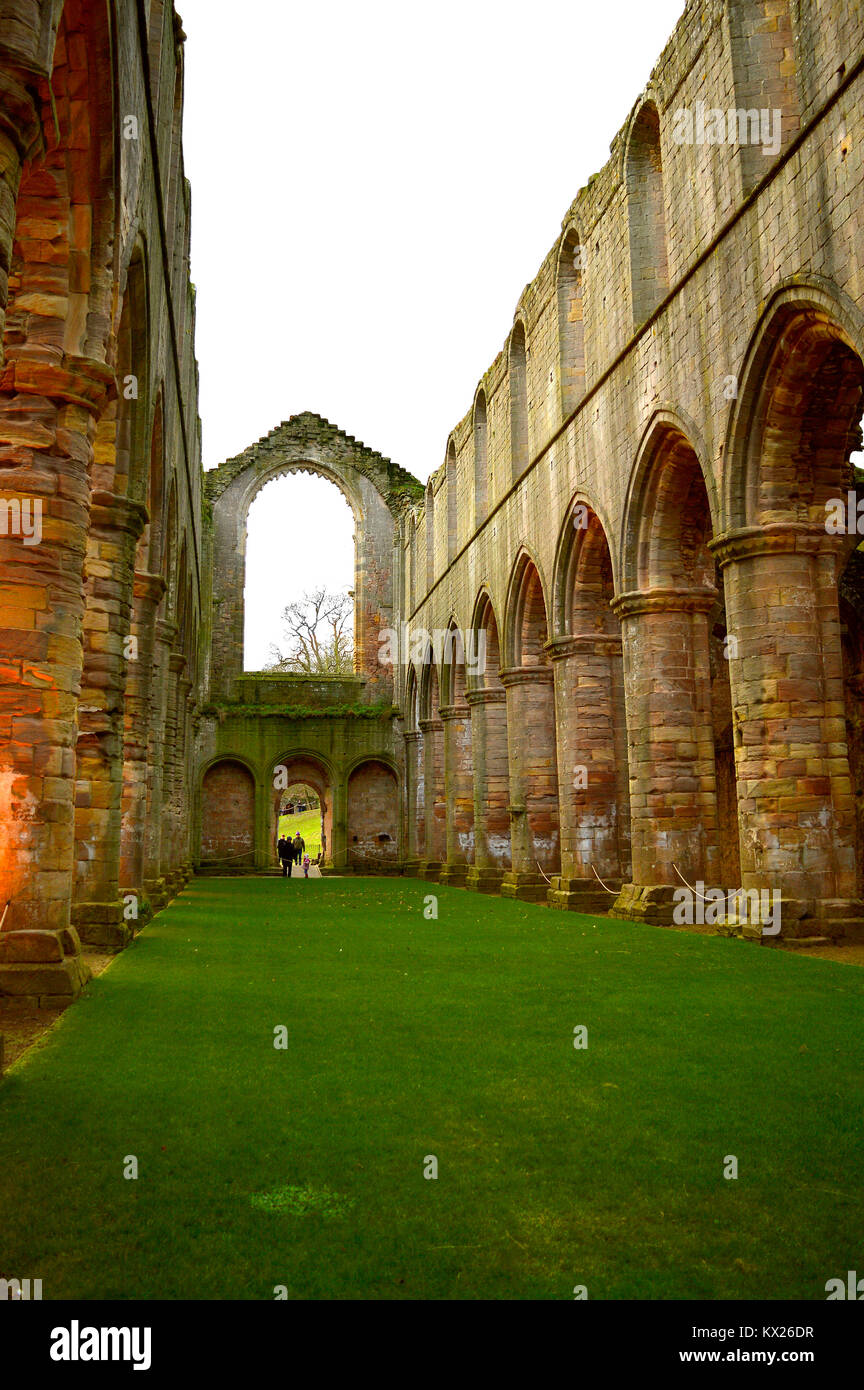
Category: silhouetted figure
[285,850]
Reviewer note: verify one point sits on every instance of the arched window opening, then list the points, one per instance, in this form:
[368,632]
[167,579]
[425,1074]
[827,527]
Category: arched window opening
[649,271]
[487,700]
[430,534]
[481,479]
[518,360]
[300,579]
[571,337]
[452,504]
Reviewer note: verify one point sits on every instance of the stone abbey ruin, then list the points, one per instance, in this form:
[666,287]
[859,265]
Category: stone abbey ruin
[614,645]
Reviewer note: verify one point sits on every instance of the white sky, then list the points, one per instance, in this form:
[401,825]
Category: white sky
[373,183]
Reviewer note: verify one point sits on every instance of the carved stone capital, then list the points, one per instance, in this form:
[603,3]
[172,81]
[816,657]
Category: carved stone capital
[485,696]
[777,538]
[110,512]
[664,601]
[584,644]
[449,713]
[149,587]
[526,675]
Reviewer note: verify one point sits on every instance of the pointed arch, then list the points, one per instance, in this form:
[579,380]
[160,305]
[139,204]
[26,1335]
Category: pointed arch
[526,623]
[670,513]
[583,583]
[649,269]
[517,363]
[571,322]
[481,459]
[451,482]
[430,533]
[791,552]
[486,699]
[803,362]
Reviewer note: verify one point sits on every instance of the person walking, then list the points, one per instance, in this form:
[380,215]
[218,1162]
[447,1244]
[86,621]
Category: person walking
[299,847]
[306,862]
[285,850]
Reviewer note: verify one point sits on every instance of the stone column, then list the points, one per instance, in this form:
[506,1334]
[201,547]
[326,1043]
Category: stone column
[148,592]
[172,773]
[795,801]
[459,793]
[435,806]
[533,782]
[98,910]
[20,137]
[339,827]
[491,789]
[592,772]
[154,880]
[414,800]
[48,414]
[184,783]
[673,785]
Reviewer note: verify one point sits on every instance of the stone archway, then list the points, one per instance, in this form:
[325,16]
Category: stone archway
[377,491]
[296,770]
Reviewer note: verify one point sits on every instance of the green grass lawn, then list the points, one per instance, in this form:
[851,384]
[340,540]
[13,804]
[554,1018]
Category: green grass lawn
[453,1037]
[309,825]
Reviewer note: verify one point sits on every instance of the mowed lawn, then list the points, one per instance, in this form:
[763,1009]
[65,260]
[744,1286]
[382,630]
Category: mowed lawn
[408,1037]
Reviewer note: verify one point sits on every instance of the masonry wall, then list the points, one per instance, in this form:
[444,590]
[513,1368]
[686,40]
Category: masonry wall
[99,427]
[757,259]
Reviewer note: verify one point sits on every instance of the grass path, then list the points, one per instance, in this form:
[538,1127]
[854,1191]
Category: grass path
[453,1037]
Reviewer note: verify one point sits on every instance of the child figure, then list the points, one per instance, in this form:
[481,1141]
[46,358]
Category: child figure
[306,862]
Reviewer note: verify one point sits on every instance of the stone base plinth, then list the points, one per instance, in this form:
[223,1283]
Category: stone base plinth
[430,869]
[411,868]
[156,891]
[483,880]
[833,919]
[580,895]
[103,925]
[524,887]
[841,919]
[453,874]
[41,969]
[637,902]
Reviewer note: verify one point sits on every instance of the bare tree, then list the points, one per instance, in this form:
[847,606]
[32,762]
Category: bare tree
[319,635]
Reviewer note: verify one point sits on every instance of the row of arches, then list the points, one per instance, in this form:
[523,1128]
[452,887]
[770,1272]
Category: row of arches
[240,807]
[100,622]
[679,698]
[760,56]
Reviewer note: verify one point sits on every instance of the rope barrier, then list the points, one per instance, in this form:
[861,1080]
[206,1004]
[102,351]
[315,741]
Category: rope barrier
[613,891]
[689,885]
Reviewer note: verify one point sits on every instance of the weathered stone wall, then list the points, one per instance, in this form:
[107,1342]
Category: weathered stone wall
[652,452]
[228,815]
[373,817]
[340,735]
[99,433]
[631,517]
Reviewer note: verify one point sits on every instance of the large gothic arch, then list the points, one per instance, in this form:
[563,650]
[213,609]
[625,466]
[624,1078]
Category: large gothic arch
[377,492]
